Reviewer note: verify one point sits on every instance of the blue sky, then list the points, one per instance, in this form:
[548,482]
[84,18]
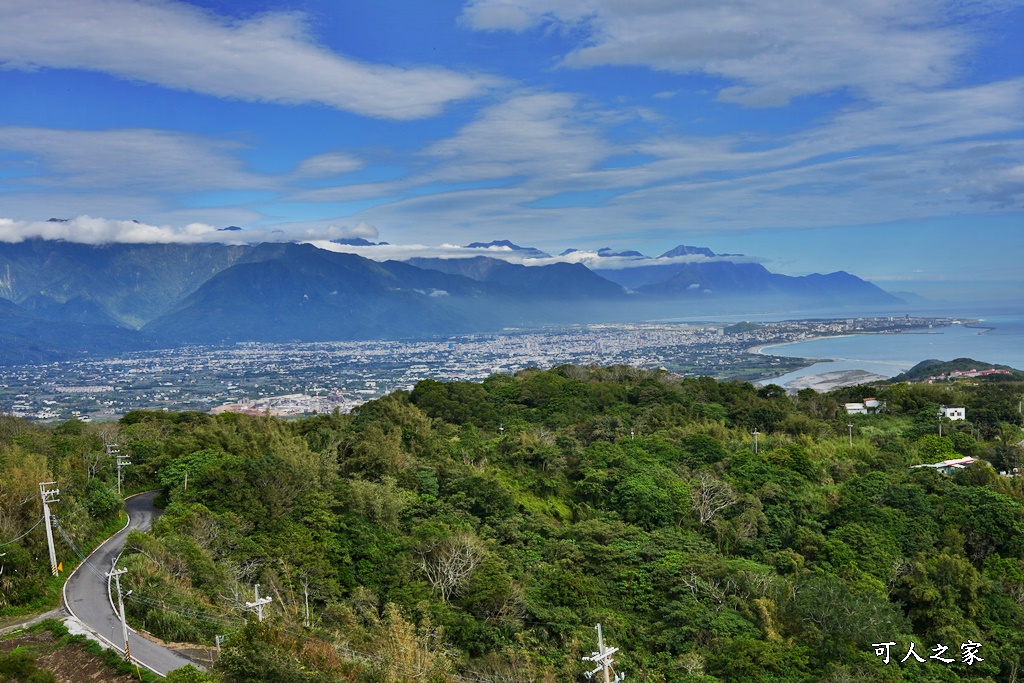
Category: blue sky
[881,138]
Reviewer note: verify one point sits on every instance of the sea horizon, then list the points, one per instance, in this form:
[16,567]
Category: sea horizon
[997,338]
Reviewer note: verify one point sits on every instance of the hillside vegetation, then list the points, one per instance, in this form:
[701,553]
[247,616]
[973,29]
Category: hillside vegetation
[937,368]
[482,530]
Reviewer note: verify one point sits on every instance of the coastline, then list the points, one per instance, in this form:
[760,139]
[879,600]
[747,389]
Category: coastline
[822,382]
[763,348]
[831,363]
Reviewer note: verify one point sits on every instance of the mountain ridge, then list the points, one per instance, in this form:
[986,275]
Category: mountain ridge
[66,298]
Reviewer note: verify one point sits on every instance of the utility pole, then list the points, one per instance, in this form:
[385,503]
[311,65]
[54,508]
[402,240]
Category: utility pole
[850,425]
[49,496]
[305,591]
[755,433]
[115,574]
[257,605]
[122,460]
[604,661]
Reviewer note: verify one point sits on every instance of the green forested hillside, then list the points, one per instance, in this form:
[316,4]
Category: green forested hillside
[482,530]
[934,368]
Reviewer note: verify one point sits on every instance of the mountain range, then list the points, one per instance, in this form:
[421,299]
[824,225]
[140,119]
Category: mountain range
[58,298]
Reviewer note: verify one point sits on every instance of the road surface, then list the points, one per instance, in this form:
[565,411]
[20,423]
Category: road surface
[86,594]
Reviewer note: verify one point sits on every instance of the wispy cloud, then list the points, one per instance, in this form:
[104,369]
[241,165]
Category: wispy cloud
[271,57]
[920,154]
[126,160]
[328,165]
[771,51]
[546,134]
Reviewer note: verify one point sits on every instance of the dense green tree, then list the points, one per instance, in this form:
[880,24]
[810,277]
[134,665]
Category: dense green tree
[485,528]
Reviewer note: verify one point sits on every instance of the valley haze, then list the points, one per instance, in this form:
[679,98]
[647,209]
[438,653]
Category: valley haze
[60,297]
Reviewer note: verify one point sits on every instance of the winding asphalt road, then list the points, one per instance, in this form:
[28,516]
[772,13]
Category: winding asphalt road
[86,593]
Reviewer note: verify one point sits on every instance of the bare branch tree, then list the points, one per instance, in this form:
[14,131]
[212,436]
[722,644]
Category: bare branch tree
[710,496]
[449,563]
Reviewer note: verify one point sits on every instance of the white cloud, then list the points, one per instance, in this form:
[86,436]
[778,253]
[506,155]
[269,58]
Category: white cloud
[539,140]
[267,58]
[594,261]
[89,230]
[770,50]
[349,193]
[127,159]
[364,230]
[589,258]
[543,134]
[917,155]
[914,156]
[400,252]
[328,165]
[497,15]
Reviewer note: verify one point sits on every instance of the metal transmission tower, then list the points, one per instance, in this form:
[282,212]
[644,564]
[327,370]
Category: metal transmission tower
[115,574]
[257,605]
[49,496]
[604,661]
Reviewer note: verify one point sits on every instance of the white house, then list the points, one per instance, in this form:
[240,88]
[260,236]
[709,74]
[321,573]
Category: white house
[949,466]
[953,412]
[868,405]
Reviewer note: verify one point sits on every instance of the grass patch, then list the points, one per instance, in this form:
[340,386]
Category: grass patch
[111,658]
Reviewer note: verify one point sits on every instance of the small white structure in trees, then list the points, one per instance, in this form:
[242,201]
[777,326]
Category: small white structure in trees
[953,412]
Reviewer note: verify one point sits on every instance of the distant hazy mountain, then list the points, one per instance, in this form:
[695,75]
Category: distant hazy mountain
[25,338]
[528,252]
[123,284]
[557,280]
[648,271]
[60,298]
[683,250]
[912,298]
[714,277]
[356,242]
[287,292]
[721,279]
[608,252]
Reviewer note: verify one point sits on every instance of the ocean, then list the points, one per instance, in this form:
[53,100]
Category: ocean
[891,354]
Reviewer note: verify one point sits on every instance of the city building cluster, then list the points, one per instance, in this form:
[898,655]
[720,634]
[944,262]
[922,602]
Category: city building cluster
[302,378]
[964,374]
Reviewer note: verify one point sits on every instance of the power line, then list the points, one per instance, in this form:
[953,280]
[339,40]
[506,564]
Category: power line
[229,621]
[162,605]
[24,534]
